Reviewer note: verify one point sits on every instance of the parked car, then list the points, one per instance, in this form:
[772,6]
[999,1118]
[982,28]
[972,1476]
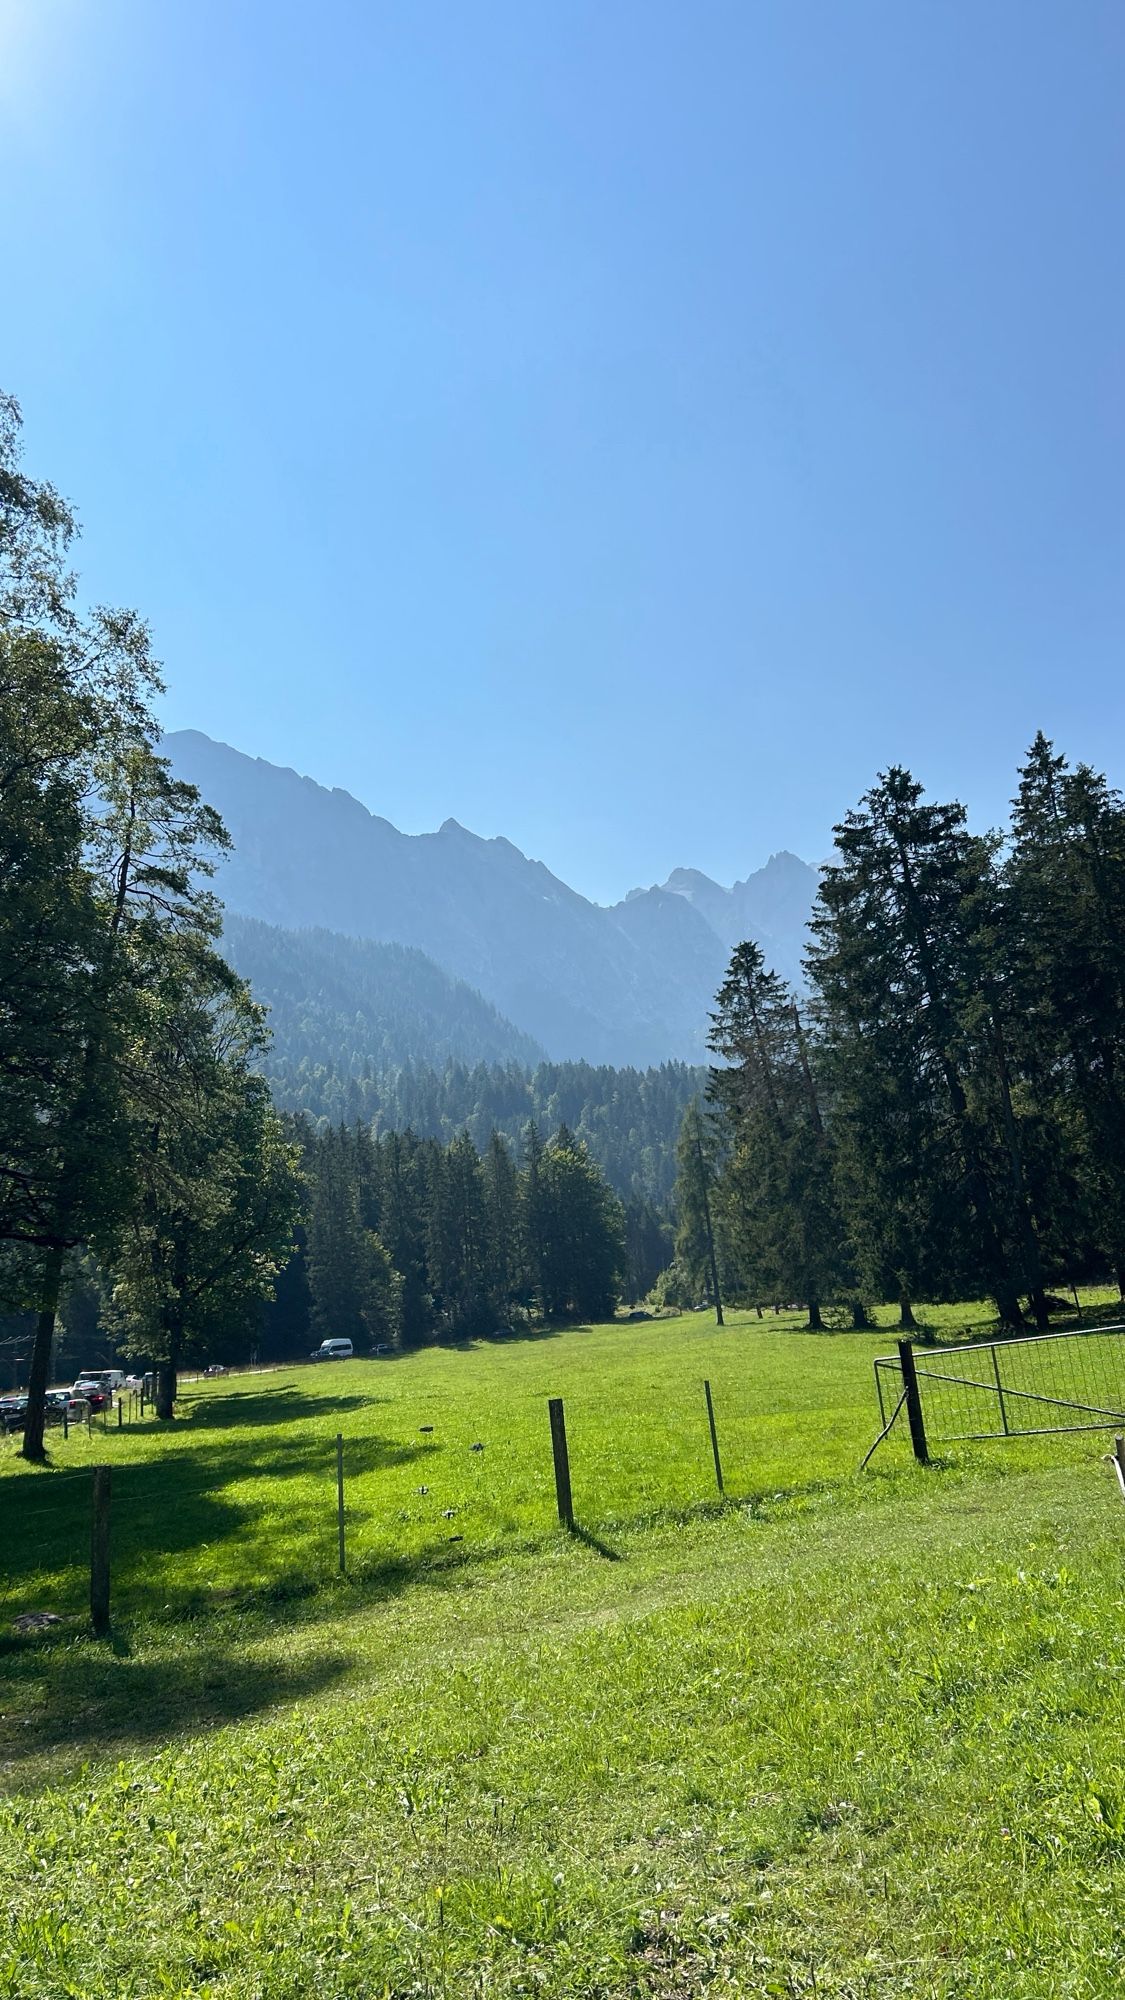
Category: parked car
[13,1412]
[216,1368]
[333,1350]
[135,1383]
[54,1403]
[89,1391]
[108,1378]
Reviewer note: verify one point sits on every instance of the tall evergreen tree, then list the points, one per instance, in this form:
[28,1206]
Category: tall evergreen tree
[404,1183]
[458,1240]
[1064,881]
[778,1194]
[893,962]
[583,1235]
[500,1185]
[353,1287]
[696,1186]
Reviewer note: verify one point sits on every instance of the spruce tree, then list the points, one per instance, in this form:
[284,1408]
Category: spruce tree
[458,1242]
[500,1184]
[1065,887]
[404,1199]
[777,1191]
[696,1185]
[893,964]
[583,1237]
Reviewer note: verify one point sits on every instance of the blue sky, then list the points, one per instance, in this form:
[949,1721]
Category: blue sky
[624,426]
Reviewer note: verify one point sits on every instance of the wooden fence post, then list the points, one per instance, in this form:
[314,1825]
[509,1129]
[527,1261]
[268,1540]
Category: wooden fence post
[714,1438]
[562,1461]
[340,1499]
[914,1415]
[99,1551]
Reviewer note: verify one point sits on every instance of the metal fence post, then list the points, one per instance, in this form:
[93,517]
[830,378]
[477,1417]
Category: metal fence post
[1000,1389]
[714,1438]
[913,1402]
[562,1461]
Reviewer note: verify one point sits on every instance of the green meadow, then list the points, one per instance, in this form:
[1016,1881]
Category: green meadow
[838,1734]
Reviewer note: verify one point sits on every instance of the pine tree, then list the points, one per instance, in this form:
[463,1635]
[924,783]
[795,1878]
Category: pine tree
[404,1184]
[458,1243]
[500,1183]
[1065,888]
[893,963]
[345,1272]
[648,1247]
[534,1222]
[582,1244]
[777,1192]
[696,1185]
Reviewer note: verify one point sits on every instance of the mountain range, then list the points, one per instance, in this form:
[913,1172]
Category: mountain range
[631,984]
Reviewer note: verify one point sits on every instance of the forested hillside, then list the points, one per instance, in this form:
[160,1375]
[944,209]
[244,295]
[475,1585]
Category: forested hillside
[629,1118]
[341,1008]
[372,1034]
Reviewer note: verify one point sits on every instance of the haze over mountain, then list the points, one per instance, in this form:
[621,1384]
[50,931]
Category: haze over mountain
[356,1007]
[629,984]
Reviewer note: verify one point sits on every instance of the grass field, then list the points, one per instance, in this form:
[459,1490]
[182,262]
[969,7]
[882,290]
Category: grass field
[842,1736]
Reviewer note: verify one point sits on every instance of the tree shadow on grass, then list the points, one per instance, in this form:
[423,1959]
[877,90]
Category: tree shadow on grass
[250,1407]
[70,1699]
[63,1692]
[187,1500]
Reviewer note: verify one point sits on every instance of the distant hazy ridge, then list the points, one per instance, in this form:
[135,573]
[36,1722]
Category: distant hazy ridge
[632,984]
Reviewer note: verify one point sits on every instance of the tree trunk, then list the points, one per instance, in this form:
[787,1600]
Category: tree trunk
[906,1320]
[816,1324]
[860,1321]
[1008,1303]
[166,1386]
[32,1447]
[758,1310]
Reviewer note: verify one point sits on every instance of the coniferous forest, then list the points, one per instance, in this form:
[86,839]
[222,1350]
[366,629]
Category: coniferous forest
[942,1115]
[939,1113]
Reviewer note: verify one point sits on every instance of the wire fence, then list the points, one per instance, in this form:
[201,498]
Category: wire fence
[1032,1385]
[220,1508]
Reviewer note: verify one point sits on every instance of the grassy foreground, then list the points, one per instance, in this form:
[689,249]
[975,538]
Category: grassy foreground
[842,1737]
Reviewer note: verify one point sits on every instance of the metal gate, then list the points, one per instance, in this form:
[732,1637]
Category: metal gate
[1033,1385]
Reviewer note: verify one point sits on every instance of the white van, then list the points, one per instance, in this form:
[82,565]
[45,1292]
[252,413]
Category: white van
[112,1379]
[333,1350]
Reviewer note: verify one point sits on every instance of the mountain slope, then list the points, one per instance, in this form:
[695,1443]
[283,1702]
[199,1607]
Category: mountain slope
[353,1007]
[627,985]
[771,906]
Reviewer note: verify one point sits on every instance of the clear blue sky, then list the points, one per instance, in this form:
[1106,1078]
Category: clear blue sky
[617,424]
